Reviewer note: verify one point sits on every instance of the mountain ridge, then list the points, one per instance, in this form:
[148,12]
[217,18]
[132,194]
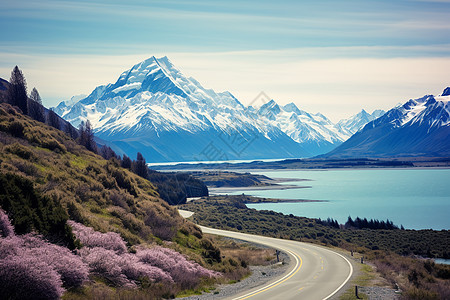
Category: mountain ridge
[419,127]
[152,107]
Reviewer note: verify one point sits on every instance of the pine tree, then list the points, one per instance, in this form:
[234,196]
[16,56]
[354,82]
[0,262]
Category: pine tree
[70,131]
[86,137]
[35,96]
[107,153]
[35,108]
[126,162]
[53,119]
[17,92]
[140,167]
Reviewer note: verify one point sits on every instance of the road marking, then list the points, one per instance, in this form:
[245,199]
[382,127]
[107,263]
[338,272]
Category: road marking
[301,288]
[346,280]
[309,250]
[298,265]
[292,273]
[315,277]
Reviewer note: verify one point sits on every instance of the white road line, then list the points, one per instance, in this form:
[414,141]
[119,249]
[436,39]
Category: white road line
[297,262]
[346,280]
[294,270]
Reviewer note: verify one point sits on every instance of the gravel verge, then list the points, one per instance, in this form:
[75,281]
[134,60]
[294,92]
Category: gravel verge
[379,293]
[260,275]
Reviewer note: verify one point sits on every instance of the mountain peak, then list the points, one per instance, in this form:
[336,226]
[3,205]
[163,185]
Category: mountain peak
[446,92]
[270,109]
[291,107]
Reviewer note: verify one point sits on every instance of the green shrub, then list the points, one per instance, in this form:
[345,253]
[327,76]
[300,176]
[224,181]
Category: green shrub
[20,151]
[16,129]
[31,211]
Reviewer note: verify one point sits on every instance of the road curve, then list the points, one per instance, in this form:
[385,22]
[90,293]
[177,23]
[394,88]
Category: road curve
[316,272]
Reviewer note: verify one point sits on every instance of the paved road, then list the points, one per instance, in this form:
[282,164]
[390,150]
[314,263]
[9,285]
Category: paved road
[316,272]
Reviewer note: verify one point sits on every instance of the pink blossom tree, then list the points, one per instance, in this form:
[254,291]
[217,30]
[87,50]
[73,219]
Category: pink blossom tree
[121,269]
[90,238]
[106,256]
[25,277]
[186,273]
[72,270]
[6,228]
[32,268]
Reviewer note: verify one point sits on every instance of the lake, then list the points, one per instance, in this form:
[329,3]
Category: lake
[414,198]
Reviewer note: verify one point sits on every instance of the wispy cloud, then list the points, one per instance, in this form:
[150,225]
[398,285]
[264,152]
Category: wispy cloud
[221,26]
[327,56]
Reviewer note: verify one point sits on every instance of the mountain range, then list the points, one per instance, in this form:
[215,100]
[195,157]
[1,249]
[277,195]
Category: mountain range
[420,127]
[154,109]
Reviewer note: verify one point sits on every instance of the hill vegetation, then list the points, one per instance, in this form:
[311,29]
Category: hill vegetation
[32,212]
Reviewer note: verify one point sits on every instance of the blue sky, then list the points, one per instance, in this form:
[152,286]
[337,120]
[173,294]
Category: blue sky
[335,57]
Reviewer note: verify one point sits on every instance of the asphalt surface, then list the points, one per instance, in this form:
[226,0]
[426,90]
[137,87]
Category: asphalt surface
[315,272]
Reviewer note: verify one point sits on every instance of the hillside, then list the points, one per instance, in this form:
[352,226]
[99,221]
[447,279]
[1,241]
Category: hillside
[97,193]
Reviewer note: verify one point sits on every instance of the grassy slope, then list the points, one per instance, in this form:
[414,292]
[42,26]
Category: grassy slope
[95,191]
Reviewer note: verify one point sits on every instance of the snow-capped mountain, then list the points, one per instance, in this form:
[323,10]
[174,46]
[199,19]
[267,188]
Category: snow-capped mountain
[310,130]
[65,106]
[420,127]
[356,122]
[154,109]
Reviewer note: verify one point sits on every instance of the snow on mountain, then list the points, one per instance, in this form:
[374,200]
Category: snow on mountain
[64,106]
[156,110]
[302,127]
[154,90]
[420,127]
[356,122]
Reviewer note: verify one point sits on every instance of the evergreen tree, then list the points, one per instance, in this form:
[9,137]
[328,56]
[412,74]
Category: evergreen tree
[82,138]
[126,162]
[35,108]
[107,153]
[70,131]
[86,137]
[140,167]
[35,96]
[53,119]
[17,92]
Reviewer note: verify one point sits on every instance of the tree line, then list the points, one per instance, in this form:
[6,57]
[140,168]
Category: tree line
[359,223]
[31,105]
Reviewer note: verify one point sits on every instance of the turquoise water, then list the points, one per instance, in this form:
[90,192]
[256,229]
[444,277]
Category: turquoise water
[442,261]
[414,198]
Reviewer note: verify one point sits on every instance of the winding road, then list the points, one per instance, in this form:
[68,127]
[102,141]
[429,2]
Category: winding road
[315,272]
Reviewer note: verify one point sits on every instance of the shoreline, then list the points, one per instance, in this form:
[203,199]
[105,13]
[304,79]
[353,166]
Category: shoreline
[272,200]
[231,168]
[222,190]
